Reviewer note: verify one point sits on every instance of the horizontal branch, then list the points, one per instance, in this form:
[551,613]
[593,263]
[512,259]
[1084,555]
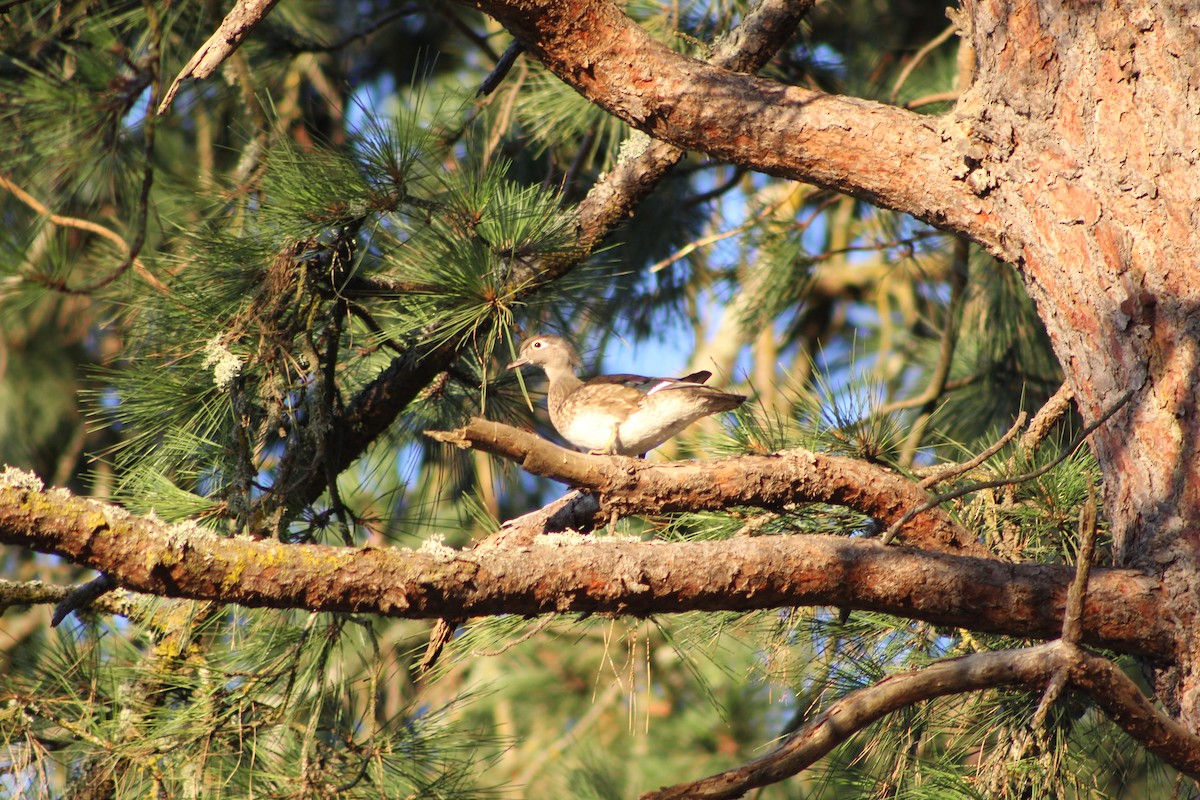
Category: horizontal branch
[1124,609]
[775,482]
[885,155]
[1111,689]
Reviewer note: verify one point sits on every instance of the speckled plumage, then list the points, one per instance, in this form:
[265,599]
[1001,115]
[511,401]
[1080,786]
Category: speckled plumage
[621,414]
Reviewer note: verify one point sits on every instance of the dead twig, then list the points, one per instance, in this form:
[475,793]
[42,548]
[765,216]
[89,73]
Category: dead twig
[949,471]
[1022,478]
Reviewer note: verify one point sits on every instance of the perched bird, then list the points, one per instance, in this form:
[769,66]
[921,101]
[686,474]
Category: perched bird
[618,414]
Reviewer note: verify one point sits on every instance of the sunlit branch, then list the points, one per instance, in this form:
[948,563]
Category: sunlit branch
[772,482]
[1112,690]
[573,573]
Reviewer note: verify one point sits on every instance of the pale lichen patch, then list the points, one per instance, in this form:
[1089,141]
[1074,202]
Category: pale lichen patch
[225,365]
[436,546]
[13,478]
[567,538]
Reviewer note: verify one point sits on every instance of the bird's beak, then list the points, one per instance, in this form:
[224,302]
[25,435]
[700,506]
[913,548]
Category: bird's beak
[520,362]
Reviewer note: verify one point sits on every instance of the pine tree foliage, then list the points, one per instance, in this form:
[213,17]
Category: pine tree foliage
[194,303]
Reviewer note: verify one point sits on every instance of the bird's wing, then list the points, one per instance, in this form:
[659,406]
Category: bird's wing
[647,385]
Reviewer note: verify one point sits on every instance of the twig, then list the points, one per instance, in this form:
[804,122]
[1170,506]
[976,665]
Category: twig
[91,227]
[503,65]
[82,597]
[236,26]
[929,99]
[734,179]
[919,57]
[1028,476]
[439,637]
[721,236]
[918,400]
[1073,614]
[1054,410]
[948,471]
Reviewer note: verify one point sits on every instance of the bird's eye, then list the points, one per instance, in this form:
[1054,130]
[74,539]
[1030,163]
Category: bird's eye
[537,344]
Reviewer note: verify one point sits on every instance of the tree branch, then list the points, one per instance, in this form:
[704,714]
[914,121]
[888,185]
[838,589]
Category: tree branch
[1124,609]
[888,156]
[632,486]
[237,25]
[1111,689]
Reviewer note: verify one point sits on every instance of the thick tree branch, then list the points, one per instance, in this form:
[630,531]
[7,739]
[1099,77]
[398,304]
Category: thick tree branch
[1111,689]
[773,482]
[888,156]
[571,573]
[613,199]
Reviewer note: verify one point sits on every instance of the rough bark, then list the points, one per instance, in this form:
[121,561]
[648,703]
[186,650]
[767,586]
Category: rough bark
[774,482]
[574,573]
[888,156]
[1083,118]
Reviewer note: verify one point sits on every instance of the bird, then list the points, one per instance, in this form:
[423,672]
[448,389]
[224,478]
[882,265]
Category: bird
[618,414]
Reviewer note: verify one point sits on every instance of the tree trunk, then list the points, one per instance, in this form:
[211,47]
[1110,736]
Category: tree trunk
[1084,122]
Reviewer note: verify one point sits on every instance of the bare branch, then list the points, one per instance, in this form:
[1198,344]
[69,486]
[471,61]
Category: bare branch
[82,597]
[237,25]
[503,65]
[631,486]
[1073,618]
[1046,417]
[920,57]
[1114,692]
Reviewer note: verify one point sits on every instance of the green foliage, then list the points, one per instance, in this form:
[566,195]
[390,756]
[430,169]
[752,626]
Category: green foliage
[287,710]
[335,208]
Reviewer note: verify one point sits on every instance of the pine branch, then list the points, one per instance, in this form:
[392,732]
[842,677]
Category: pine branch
[573,573]
[630,486]
[1111,689]
[788,131]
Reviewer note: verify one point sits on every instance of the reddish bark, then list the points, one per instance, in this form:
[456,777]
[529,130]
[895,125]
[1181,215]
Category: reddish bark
[632,486]
[570,572]
[1094,154]
[888,156]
